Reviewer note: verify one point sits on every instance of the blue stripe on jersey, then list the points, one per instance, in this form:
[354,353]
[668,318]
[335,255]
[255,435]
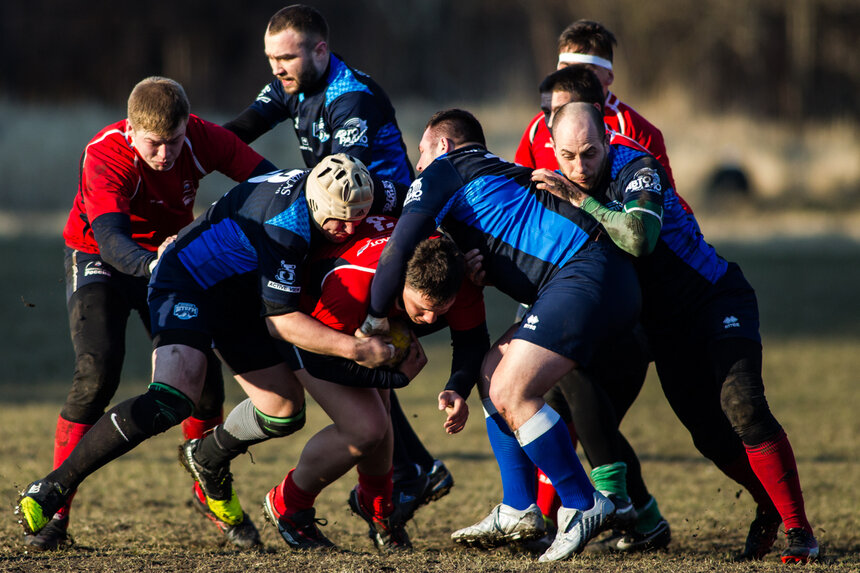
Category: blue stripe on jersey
[295,218]
[219,252]
[341,81]
[621,156]
[389,164]
[502,208]
[682,235]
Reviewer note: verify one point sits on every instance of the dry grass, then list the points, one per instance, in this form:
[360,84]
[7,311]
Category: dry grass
[132,515]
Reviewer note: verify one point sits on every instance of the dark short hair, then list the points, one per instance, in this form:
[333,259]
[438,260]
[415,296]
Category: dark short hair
[587,37]
[595,116]
[300,18]
[458,125]
[576,80]
[436,269]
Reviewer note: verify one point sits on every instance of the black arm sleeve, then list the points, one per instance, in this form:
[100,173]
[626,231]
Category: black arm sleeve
[348,373]
[470,347]
[113,235]
[411,229]
[265,166]
[248,125]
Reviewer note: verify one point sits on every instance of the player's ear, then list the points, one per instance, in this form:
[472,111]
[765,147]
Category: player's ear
[611,79]
[445,145]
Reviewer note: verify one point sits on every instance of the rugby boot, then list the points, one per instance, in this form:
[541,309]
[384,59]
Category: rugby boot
[658,538]
[299,530]
[577,527]
[213,495]
[504,525]
[802,546]
[439,483]
[51,537]
[408,493]
[387,533]
[762,535]
[38,503]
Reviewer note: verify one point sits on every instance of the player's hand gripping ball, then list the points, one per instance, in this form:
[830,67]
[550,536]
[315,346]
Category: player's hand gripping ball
[401,339]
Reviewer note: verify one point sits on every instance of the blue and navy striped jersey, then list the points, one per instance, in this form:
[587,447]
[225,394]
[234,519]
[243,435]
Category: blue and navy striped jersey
[680,270]
[484,202]
[347,113]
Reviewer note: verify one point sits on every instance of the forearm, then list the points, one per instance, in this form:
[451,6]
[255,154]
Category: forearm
[112,232]
[634,230]
[310,334]
[348,373]
[469,349]
[248,125]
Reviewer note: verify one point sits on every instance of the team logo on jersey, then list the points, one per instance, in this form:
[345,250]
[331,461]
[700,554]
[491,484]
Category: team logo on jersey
[353,132]
[414,193]
[532,322]
[614,205]
[372,243]
[262,96]
[731,322]
[188,192]
[95,268]
[285,276]
[185,310]
[646,179]
[390,196]
[319,131]
[304,144]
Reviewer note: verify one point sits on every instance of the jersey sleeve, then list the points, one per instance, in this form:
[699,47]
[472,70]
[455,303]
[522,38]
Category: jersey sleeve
[281,264]
[635,222]
[109,182]
[355,119]
[343,302]
[429,198]
[219,149]
[271,104]
[525,152]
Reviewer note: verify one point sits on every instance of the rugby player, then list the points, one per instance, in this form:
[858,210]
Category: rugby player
[699,312]
[334,108]
[355,398]
[539,252]
[244,253]
[137,186]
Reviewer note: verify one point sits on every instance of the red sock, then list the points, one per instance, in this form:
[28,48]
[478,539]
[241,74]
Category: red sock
[374,491]
[293,498]
[66,437]
[194,428]
[773,462]
[547,500]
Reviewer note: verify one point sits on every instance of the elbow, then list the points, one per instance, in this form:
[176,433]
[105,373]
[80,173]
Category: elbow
[639,248]
[272,328]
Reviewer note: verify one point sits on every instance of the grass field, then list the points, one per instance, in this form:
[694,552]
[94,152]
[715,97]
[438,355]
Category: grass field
[133,515]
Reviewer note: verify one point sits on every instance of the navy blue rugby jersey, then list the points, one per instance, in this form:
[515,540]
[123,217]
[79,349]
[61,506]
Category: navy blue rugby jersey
[347,113]
[484,202]
[679,272]
[262,225]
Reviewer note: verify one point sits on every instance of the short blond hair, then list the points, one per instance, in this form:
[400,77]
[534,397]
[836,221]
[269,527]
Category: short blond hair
[158,105]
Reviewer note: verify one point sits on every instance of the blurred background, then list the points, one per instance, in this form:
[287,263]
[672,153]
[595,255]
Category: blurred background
[766,89]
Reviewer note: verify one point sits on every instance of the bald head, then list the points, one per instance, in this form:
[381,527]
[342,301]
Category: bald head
[581,143]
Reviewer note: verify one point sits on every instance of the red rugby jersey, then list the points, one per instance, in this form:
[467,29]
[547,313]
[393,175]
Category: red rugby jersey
[342,274]
[114,179]
[535,149]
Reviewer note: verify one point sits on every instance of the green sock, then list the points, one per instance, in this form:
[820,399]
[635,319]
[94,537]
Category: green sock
[648,516]
[611,478]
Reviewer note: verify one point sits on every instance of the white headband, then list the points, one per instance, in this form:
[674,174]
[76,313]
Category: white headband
[575,58]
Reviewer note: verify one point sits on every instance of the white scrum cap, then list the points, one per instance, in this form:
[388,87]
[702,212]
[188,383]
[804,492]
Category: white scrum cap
[339,187]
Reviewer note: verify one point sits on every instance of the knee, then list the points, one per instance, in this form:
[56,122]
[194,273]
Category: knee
[161,408]
[743,401]
[279,427]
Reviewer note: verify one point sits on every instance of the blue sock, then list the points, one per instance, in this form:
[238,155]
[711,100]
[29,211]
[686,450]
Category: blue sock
[545,439]
[519,480]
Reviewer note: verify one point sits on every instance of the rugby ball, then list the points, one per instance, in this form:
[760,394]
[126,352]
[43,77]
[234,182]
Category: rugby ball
[401,338]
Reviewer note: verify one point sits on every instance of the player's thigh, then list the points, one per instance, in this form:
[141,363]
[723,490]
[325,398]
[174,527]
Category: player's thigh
[492,359]
[274,390]
[353,410]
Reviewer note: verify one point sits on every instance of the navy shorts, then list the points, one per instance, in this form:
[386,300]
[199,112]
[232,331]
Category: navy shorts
[593,297]
[727,309]
[226,316]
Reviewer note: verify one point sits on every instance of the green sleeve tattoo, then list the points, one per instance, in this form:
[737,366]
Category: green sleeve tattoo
[635,229]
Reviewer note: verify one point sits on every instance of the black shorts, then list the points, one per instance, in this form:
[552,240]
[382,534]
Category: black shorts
[226,316]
